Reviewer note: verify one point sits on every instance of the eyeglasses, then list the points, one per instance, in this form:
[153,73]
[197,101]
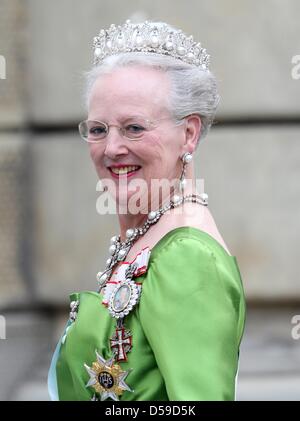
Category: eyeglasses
[93,131]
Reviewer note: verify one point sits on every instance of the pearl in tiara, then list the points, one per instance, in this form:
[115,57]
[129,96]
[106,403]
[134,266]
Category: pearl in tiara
[149,37]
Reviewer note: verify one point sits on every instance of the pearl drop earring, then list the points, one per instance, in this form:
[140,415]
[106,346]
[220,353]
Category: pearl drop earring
[186,158]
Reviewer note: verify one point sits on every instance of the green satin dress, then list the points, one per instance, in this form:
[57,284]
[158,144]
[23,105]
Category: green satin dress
[186,329]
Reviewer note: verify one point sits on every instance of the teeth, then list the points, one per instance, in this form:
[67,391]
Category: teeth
[124,170]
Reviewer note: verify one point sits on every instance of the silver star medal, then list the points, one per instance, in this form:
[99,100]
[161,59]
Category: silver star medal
[107,378]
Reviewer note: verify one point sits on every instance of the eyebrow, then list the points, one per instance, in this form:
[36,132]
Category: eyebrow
[123,118]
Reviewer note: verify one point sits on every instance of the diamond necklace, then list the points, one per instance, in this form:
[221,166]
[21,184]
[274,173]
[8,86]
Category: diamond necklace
[118,249]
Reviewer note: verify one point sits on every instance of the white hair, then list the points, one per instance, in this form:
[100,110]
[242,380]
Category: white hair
[193,90]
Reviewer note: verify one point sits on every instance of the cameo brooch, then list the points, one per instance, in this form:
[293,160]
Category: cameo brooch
[125,296]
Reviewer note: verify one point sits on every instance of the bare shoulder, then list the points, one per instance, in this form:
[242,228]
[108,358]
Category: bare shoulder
[207,224]
[193,216]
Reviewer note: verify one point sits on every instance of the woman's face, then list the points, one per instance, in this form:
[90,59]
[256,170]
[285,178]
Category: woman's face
[117,97]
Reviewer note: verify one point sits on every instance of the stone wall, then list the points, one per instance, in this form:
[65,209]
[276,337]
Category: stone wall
[13,31]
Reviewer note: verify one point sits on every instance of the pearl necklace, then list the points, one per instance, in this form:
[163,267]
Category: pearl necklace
[118,249]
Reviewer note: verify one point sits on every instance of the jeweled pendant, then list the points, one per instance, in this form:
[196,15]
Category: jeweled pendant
[107,378]
[123,298]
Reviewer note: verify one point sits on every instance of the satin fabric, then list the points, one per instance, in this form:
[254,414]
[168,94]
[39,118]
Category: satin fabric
[186,329]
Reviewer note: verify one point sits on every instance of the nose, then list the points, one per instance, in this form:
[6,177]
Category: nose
[115,143]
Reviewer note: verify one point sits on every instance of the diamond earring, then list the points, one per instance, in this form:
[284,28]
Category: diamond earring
[186,158]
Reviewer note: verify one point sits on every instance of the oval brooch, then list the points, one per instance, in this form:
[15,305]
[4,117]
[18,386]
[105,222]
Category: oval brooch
[123,299]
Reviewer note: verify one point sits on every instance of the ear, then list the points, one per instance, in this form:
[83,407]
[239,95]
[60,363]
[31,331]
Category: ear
[192,132]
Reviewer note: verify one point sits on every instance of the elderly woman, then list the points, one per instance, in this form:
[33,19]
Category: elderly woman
[167,320]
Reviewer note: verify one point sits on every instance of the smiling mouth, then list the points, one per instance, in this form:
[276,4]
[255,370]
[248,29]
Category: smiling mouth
[124,171]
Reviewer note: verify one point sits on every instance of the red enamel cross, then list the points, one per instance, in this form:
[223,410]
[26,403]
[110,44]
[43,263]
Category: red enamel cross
[120,343]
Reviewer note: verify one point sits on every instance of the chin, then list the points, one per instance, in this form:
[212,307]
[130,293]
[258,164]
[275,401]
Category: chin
[132,203]
[123,197]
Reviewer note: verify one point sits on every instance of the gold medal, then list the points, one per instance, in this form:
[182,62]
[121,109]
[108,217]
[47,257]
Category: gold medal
[107,378]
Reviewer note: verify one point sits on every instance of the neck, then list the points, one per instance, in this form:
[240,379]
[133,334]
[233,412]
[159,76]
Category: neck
[128,220]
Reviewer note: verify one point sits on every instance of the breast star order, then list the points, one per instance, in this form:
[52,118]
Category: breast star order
[107,378]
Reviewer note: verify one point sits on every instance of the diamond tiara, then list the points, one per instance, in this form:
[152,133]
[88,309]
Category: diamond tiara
[149,37]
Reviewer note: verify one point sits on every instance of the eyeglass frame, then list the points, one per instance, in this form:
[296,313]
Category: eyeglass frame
[122,129]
